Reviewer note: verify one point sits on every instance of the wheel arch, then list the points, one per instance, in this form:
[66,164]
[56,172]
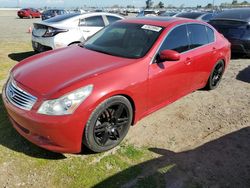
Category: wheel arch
[125,94]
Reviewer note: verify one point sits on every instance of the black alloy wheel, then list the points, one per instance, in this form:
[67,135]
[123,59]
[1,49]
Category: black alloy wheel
[216,75]
[108,124]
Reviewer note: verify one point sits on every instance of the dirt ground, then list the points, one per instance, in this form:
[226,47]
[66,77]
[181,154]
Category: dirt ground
[204,132]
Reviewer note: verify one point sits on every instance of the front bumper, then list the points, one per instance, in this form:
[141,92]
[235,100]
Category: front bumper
[61,134]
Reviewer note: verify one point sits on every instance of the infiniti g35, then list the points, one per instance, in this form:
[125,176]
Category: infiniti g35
[90,94]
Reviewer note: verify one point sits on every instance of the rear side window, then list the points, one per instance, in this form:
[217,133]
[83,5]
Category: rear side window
[198,35]
[210,34]
[177,40]
[94,21]
[112,19]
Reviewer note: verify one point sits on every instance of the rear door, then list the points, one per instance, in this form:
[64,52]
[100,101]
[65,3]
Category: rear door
[90,25]
[203,49]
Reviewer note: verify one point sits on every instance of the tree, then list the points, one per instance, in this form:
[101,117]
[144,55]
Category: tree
[245,3]
[234,2]
[209,6]
[149,3]
[161,4]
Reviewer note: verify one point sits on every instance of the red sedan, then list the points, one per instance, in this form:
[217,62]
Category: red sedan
[91,93]
[29,13]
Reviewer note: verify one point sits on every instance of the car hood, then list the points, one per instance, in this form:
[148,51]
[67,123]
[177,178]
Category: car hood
[49,72]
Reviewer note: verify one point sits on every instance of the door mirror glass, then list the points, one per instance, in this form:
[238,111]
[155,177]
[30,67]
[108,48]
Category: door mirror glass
[169,55]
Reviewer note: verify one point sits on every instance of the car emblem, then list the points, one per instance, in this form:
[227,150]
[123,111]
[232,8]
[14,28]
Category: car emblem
[12,94]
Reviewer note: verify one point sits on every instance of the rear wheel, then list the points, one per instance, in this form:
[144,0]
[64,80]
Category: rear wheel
[215,76]
[108,124]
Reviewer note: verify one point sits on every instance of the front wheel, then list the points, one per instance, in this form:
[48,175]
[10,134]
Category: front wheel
[215,76]
[108,124]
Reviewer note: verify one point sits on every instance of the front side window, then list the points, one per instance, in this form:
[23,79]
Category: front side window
[177,40]
[127,40]
[93,21]
[198,35]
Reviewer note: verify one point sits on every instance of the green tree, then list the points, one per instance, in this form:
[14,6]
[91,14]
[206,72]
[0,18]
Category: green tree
[161,4]
[209,5]
[234,2]
[245,3]
[149,3]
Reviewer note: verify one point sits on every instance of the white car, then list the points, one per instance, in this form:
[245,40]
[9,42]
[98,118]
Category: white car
[68,29]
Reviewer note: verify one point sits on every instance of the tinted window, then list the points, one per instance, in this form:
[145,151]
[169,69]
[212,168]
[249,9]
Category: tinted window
[177,40]
[61,17]
[95,21]
[124,39]
[112,19]
[210,34]
[197,34]
[207,17]
[239,14]
[191,15]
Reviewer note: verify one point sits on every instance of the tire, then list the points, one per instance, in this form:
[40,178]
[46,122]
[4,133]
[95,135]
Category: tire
[215,76]
[108,124]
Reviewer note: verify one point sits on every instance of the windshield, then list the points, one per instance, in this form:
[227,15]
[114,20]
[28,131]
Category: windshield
[191,15]
[239,14]
[124,39]
[62,17]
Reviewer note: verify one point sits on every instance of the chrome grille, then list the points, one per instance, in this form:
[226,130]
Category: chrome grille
[19,97]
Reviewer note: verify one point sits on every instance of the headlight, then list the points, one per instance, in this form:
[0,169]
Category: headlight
[66,104]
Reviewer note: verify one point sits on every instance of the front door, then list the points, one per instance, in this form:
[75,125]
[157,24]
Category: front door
[170,80]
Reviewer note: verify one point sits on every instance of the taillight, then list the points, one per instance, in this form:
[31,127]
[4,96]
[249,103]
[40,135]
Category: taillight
[51,31]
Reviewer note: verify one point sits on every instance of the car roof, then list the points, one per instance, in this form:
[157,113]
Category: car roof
[161,21]
[234,14]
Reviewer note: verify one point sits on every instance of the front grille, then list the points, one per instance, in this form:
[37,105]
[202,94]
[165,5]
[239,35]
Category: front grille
[19,97]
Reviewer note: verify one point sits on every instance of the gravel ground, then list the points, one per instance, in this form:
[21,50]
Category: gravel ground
[206,133]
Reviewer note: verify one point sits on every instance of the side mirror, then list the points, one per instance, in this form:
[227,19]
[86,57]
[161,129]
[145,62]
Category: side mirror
[169,55]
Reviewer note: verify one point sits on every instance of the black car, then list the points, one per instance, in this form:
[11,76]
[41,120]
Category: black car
[52,13]
[167,14]
[234,25]
[203,16]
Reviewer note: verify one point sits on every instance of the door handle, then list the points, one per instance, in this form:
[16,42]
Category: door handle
[86,31]
[188,61]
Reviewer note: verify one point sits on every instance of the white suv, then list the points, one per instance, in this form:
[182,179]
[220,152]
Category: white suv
[68,29]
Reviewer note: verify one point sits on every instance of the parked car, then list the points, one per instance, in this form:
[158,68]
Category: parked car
[203,16]
[52,13]
[91,93]
[234,25]
[68,29]
[147,13]
[168,14]
[29,13]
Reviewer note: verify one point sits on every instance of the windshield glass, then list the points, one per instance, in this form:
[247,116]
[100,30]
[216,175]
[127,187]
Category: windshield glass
[61,17]
[124,39]
[240,14]
[192,15]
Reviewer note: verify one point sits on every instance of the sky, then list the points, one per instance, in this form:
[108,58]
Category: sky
[101,3]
